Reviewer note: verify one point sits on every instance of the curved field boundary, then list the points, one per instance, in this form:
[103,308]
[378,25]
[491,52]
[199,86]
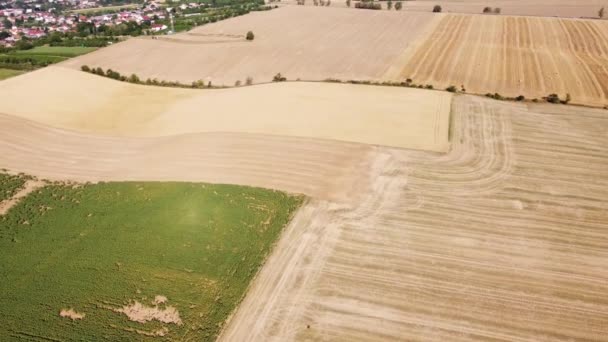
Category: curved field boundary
[515,56]
[503,238]
[294,165]
[392,116]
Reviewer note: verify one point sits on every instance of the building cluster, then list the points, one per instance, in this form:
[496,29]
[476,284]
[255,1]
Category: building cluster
[34,19]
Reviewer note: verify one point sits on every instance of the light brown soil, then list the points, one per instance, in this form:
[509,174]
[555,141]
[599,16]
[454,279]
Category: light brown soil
[138,312]
[309,43]
[503,238]
[515,56]
[71,314]
[392,116]
[543,8]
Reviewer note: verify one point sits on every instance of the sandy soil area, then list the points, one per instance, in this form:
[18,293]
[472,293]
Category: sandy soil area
[503,238]
[310,43]
[391,116]
[515,56]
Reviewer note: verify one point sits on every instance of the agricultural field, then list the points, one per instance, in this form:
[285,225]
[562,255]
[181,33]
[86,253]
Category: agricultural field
[10,185]
[57,51]
[392,213]
[133,260]
[540,8]
[503,238]
[505,233]
[392,116]
[515,56]
[325,43]
[6,73]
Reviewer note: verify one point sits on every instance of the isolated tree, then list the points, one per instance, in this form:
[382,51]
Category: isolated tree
[487,10]
[398,6]
[249,80]
[600,13]
[85,68]
[437,9]
[328,3]
[250,36]
[389,5]
[497,10]
[348,3]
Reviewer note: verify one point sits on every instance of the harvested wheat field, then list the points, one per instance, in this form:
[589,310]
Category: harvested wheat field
[505,238]
[541,8]
[401,117]
[309,43]
[502,238]
[515,56]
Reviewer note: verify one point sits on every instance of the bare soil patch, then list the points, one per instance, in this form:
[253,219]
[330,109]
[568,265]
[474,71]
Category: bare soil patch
[71,314]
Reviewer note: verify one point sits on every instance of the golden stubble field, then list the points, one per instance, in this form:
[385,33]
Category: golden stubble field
[389,116]
[515,56]
[309,43]
[541,8]
[504,237]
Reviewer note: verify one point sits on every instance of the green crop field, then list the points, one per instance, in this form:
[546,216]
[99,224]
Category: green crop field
[107,251]
[60,51]
[10,184]
[6,73]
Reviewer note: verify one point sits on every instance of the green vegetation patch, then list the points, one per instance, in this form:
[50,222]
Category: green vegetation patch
[6,73]
[10,184]
[109,249]
[61,51]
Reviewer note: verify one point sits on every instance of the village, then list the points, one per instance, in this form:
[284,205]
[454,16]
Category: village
[35,19]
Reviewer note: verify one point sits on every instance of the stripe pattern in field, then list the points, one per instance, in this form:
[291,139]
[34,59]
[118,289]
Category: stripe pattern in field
[515,56]
[502,239]
[305,42]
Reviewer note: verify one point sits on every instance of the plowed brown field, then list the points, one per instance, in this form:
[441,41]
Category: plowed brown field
[516,56]
[503,238]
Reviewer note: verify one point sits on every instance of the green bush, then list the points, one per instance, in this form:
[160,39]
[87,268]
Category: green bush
[451,89]
[437,9]
[250,36]
[85,68]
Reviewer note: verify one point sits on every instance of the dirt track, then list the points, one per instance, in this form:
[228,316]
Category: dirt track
[502,238]
[515,56]
[309,43]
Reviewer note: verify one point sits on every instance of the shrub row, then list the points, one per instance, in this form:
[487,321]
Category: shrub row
[551,98]
[409,83]
[368,5]
[136,80]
